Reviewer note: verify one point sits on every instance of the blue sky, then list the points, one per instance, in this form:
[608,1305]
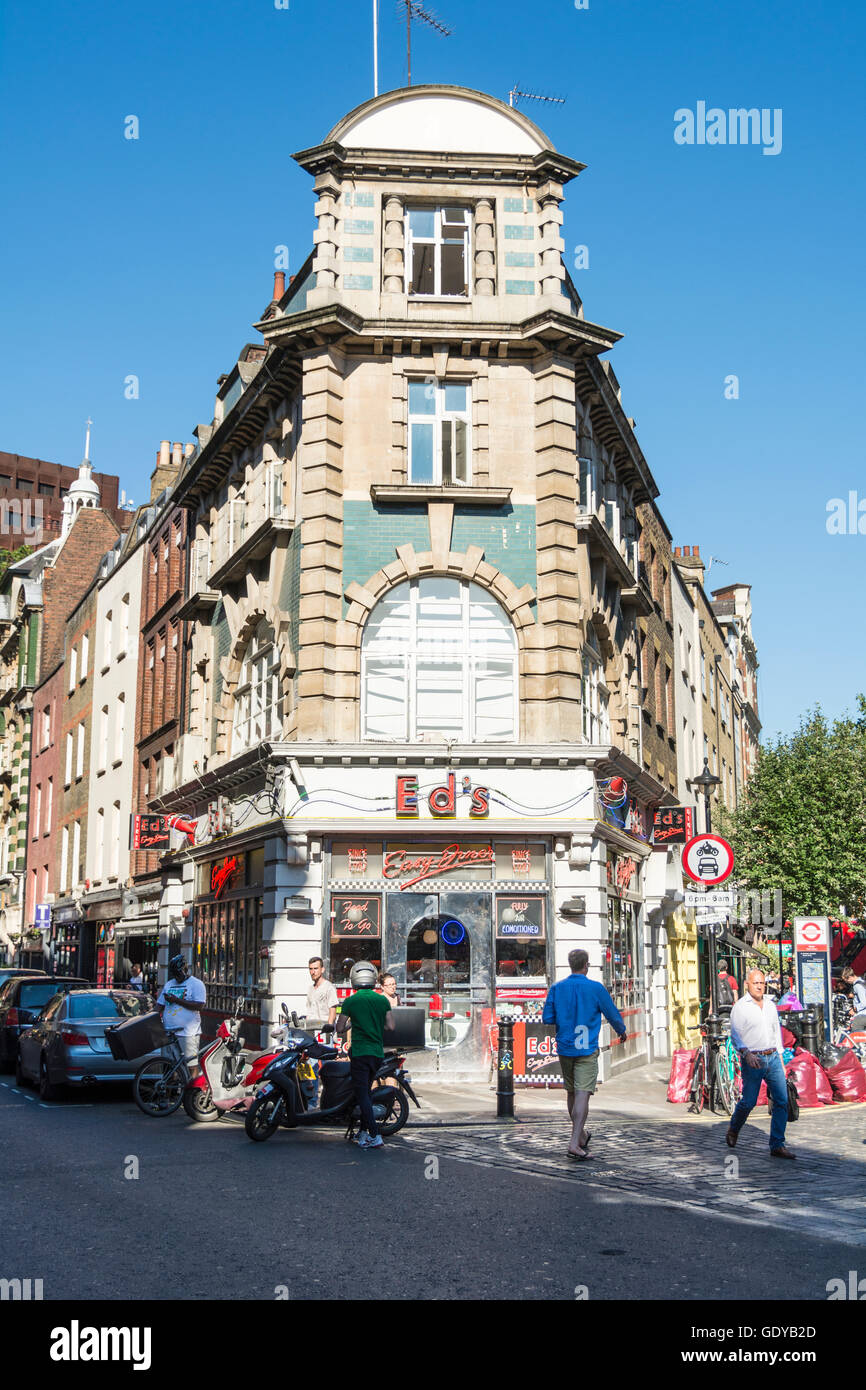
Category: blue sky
[153,257]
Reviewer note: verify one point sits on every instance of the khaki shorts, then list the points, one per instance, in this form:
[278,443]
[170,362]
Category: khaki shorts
[580,1073]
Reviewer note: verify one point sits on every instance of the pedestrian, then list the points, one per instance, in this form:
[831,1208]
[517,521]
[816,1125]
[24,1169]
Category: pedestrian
[726,987]
[388,987]
[366,1010]
[575,1007]
[757,1036]
[136,979]
[321,1010]
[857,985]
[181,1001]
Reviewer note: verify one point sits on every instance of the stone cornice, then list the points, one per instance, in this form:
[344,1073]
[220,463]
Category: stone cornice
[430,165]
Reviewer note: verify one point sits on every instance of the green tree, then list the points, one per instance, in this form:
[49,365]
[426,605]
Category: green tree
[8,557]
[801,826]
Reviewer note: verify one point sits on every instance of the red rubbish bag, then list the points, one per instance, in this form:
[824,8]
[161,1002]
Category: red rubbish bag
[682,1064]
[847,1078]
[788,1039]
[813,1088]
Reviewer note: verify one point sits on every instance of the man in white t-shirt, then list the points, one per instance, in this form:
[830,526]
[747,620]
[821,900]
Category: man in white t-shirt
[757,1036]
[181,1000]
[321,1009]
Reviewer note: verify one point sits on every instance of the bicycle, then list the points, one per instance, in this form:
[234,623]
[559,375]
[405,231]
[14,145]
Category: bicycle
[159,1084]
[717,1072]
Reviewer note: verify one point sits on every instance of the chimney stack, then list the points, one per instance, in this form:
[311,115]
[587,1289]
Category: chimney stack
[168,461]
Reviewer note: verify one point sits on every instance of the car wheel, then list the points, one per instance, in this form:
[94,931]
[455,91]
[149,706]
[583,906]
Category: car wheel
[20,1078]
[47,1090]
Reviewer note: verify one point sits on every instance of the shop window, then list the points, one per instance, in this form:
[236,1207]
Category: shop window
[227,941]
[437,252]
[439,432]
[439,660]
[258,710]
[521,950]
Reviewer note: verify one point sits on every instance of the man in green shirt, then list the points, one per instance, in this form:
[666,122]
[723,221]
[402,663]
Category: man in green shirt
[366,1011]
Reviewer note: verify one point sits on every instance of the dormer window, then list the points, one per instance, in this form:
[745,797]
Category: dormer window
[439,433]
[437,252]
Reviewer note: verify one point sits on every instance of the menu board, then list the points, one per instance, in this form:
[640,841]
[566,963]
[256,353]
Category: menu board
[356,915]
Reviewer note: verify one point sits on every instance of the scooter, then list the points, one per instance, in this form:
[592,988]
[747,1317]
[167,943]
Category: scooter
[281,1099]
[229,1072]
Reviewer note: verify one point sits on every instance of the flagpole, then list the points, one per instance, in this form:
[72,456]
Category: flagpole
[375,48]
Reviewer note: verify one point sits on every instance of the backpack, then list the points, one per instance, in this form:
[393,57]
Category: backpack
[726,994]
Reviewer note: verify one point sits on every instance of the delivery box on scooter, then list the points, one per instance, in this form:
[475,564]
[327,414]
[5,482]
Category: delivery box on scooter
[407,1032]
[137,1036]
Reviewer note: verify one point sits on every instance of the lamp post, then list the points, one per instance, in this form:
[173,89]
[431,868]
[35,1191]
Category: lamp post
[705,783]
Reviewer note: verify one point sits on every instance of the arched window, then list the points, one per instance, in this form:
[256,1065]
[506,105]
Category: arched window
[594,692]
[439,660]
[258,713]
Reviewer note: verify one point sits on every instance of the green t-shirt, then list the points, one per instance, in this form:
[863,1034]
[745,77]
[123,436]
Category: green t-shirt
[367,1010]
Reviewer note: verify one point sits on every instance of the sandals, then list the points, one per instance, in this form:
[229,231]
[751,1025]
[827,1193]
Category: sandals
[578,1158]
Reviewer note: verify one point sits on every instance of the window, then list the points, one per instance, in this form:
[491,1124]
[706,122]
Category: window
[109,622]
[79,752]
[258,713]
[76,853]
[85,652]
[124,626]
[439,432]
[712,682]
[703,673]
[73,669]
[46,726]
[99,853]
[437,252]
[439,660]
[119,727]
[48,805]
[37,819]
[25,484]
[46,489]
[103,738]
[588,485]
[114,846]
[68,774]
[594,692]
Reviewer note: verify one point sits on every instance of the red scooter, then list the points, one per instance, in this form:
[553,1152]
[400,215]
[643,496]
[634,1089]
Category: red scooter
[229,1072]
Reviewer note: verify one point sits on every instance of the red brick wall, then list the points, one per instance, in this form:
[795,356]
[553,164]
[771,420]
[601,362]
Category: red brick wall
[45,766]
[93,534]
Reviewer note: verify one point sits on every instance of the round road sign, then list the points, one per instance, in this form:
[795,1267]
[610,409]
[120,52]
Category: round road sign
[708,859]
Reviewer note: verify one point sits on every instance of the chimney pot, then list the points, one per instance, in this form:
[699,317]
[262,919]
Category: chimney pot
[697,552]
[279,284]
[176,455]
[164,453]
[687,550]
[291,278]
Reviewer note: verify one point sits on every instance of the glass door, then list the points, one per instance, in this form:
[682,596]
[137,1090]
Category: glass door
[439,948]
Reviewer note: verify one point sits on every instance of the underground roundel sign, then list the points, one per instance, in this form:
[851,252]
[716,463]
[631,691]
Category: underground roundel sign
[708,859]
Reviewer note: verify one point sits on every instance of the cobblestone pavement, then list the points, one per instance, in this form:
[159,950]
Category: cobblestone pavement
[822,1194]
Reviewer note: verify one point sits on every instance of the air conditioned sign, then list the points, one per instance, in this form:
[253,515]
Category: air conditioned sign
[520,918]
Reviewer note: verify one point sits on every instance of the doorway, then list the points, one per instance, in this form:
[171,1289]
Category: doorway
[439,947]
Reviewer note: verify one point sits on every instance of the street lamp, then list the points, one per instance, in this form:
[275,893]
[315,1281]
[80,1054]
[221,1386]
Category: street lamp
[705,784]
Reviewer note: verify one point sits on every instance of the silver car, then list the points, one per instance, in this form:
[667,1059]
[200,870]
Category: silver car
[66,1046]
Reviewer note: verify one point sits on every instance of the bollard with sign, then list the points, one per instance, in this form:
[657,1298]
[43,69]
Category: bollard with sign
[505,1069]
[812,961]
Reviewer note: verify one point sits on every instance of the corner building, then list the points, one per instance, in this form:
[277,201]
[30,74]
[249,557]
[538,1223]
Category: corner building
[413,601]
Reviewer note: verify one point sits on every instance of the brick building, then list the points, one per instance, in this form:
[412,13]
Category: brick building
[658,718]
[32,493]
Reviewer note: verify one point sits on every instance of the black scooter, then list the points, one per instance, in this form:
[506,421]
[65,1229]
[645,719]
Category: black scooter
[281,1099]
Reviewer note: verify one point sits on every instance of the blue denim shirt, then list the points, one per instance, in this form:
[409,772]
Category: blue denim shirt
[577,1002]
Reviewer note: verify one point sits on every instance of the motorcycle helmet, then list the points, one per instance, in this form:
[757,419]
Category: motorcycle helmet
[363,975]
[177,967]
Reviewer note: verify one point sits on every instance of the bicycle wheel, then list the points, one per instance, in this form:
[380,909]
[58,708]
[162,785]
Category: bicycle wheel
[158,1087]
[698,1087]
[737,1072]
[725,1082]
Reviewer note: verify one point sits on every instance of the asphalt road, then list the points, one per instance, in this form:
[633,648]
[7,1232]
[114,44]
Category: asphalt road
[438,1214]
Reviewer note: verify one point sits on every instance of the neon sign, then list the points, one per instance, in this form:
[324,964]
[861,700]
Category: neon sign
[221,874]
[400,862]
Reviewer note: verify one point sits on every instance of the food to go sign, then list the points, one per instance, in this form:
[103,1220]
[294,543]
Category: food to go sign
[708,859]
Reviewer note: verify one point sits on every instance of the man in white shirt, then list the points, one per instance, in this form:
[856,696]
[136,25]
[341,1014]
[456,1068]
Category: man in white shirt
[757,1036]
[322,1004]
[182,999]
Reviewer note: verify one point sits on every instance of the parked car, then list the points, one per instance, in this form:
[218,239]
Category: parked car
[21,1000]
[8,971]
[66,1046]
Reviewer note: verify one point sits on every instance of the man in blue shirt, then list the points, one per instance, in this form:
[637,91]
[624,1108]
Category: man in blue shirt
[575,1006]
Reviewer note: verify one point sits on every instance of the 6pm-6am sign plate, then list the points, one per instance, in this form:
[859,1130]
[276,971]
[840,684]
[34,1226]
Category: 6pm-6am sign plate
[708,859]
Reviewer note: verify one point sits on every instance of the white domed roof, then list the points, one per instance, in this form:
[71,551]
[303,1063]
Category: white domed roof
[448,120]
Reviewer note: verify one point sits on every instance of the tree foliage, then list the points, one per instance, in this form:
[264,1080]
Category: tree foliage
[801,825]
[9,557]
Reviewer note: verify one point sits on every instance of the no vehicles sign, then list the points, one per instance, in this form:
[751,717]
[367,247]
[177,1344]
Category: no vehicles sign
[708,859]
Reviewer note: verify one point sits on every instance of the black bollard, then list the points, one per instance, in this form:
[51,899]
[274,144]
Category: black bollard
[809,1031]
[505,1071]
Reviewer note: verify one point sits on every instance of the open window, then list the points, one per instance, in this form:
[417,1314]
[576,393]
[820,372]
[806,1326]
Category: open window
[437,247]
[439,433]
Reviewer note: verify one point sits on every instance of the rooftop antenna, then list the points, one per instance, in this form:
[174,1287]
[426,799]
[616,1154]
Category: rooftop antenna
[517,94]
[413,9]
[714,559]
